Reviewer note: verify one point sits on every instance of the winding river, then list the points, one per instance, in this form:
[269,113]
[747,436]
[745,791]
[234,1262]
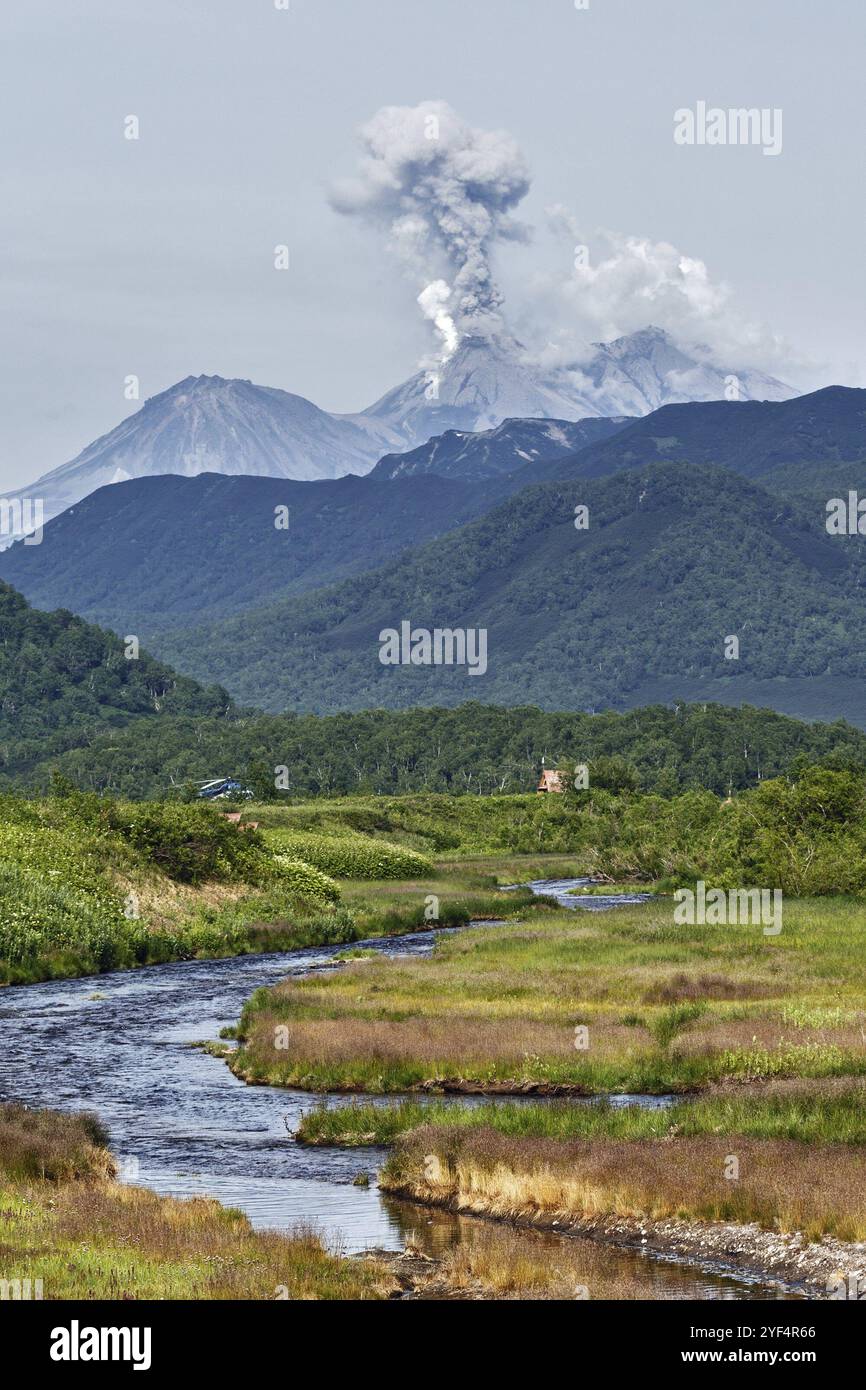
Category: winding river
[182,1124]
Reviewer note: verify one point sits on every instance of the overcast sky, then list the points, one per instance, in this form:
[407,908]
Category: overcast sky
[155,257]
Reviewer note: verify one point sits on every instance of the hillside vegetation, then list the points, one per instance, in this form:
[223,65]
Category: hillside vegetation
[92,883]
[88,885]
[676,558]
[156,553]
[473,748]
[62,682]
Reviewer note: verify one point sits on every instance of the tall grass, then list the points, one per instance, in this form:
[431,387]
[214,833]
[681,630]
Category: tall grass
[49,1144]
[782,1185]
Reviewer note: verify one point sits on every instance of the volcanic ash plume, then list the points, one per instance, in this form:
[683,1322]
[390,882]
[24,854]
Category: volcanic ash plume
[445,192]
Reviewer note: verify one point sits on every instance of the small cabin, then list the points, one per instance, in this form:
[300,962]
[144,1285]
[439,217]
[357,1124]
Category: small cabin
[550,781]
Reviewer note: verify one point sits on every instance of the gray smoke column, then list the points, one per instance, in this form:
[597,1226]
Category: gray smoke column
[445,192]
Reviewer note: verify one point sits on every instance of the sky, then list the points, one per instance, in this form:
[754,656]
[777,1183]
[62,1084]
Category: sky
[154,257]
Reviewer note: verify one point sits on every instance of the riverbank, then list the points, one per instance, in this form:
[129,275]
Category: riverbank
[780,1185]
[182,1127]
[824,1270]
[764,1180]
[758,1168]
[68,1230]
[90,885]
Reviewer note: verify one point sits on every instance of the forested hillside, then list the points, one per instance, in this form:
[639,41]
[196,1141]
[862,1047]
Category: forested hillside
[153,554]
[634,609]
[63,681]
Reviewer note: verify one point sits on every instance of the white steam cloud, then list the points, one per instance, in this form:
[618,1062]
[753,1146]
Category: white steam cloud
[434,302]
[621,283]
[445,191]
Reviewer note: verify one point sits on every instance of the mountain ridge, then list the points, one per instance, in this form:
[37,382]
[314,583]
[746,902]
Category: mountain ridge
[233,426]
[158,553]
[514,444]
[757,439]
[154,551]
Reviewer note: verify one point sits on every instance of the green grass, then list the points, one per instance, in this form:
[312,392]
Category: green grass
[89,885]
[804,1111]
[666,1007]
[804,834]
[434,824]
[351,855]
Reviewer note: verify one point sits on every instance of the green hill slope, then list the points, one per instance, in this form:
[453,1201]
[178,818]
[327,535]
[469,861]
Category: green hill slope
[63,681]
[155,553]
[676,559]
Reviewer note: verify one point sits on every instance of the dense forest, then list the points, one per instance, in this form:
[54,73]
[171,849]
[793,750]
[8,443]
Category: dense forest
[675,559]
[472,749]
[62,682]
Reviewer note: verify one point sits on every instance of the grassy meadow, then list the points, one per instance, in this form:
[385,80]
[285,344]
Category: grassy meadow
[762,1038]
[580,1002]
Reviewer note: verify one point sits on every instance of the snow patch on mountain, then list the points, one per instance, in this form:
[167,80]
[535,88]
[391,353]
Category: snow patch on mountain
[208,424]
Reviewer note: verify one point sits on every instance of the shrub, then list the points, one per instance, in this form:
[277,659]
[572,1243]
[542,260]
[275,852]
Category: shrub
[190,843]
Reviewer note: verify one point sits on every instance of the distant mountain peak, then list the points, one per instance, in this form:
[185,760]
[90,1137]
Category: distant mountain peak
[486,380]
[231,425]
[220,425]
[489,379]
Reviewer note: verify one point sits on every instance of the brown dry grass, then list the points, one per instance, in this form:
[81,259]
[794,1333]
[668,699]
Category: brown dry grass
[432,1042]
[683,989]
[163,903]
[782,1184]
[721,1034]
[52,1145]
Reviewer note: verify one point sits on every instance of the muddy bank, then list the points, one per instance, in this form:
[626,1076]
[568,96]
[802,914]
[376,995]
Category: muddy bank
[788,1262]
[418,1277]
